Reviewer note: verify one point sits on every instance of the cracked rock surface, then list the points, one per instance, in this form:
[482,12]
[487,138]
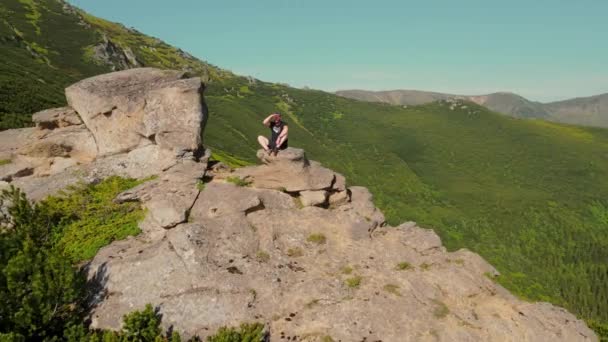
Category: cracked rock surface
[253,254]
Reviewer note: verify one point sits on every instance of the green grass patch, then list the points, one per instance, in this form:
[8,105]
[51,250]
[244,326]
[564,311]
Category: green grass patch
[393,289]
[238,181]
[346,270]
[404,265]
[295,252]
[353,282]
[90,219]
[317,238]
[5,162]
[229,159]
[424,266]
[441,310]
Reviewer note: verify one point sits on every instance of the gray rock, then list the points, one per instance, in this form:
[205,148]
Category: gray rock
[128,109]
[12,140]
[338,198]
[361,202]
[313,198]
[289,171]
[170,197]
[56,118]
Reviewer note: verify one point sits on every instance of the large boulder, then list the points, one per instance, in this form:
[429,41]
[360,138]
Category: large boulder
[128,109]
[290,170]
[134,123]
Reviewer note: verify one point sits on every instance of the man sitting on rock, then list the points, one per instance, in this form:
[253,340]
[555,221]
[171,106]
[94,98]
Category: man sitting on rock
[278,134]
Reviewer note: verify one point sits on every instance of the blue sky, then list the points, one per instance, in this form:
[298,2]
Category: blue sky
[544,50]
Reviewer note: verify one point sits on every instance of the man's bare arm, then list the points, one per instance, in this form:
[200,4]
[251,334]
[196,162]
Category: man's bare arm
[283,136]
[266,121]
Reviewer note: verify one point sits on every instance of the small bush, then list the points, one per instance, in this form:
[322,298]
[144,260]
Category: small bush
[238,181]
[142,325]
[354,282]
[327,338]
[402,266]
[246,333]
[317,238]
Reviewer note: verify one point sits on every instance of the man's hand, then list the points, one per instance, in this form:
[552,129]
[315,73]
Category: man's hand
[267,121]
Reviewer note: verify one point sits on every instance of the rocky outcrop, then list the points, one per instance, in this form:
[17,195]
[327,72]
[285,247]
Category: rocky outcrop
[134,123]
[255,253]
[114,55]
[286,243]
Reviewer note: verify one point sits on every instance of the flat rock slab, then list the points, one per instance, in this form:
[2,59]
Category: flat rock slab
[289,171]
[56,118]
[170,197]
[12,140]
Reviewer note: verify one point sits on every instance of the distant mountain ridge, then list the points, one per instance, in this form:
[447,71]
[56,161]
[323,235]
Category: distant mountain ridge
[588,111]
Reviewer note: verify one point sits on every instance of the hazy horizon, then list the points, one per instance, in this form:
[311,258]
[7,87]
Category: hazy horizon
[543,51]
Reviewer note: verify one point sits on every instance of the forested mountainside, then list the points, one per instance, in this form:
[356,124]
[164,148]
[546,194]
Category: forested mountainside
[529,196]
[586,111]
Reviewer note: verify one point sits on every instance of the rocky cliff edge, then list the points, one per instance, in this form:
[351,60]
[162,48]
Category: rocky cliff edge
[286,243]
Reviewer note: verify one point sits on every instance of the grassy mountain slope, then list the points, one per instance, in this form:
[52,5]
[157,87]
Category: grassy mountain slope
[587,111]
[530,196]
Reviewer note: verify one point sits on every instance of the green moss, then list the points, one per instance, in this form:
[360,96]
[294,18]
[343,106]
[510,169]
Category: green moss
[295,252]
[5,162]
[441,310]
[91,220]
[353,282]
[317,238]
[424,266]
[262,256]
[238,181]
[404,265]
[200,185]
[327,338]
[392,288]
[347,270]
